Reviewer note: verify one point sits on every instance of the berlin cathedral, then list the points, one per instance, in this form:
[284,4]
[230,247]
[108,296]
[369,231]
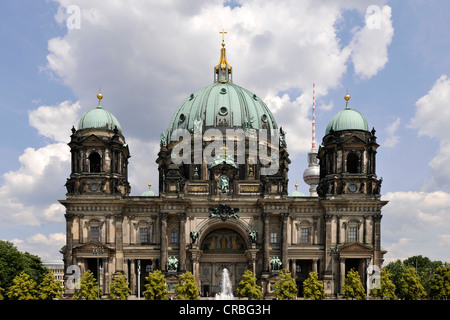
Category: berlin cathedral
[223,200]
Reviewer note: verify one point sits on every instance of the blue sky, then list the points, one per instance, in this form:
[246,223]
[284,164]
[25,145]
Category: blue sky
[147,57]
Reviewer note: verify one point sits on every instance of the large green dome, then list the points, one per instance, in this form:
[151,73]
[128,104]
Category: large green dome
[347,119]
[99,118]
[222,105]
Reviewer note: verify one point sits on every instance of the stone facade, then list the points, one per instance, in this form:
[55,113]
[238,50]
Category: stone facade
[223,214]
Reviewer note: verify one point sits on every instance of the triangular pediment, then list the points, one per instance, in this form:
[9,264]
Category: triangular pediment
[93,248]
[354,139]
[93,139]
[355,247]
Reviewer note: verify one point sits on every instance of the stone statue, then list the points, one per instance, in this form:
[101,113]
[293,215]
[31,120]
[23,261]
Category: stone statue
[282,138]
[172,264]
[194,236]
[253,235]
[223,184]
[275,264]
[163,139]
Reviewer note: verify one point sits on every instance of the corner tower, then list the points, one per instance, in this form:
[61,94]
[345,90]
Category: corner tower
[348,156]
[99,155]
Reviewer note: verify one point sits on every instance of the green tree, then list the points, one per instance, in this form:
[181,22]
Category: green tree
[285,288]
[425,269]
[1,294]
[13,262]
[411,288]
[440,283]
[387,287]
[50,288]
[248,287]
[88,287]
[187,288]
[23,288]
[313,287]
[156,286]
[353,288]
[119,288]
[396,268]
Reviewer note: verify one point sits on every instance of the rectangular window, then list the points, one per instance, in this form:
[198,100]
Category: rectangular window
[352,234]
[304,235]
[95,234]
[173,237]
[143,235]
[273,237]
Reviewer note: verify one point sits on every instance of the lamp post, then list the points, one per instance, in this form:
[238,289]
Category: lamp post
[98,251]
[139,278]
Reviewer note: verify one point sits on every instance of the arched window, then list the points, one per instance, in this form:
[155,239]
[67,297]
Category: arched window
[94,162]
[352,163]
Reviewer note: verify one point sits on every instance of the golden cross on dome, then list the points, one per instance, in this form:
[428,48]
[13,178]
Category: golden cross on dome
[223,35]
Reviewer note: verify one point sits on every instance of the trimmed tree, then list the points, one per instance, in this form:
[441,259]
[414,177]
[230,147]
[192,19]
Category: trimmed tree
[387,287]
[248,287]
[187,288]
[411,288]
[23,288]
[88,287]
[50,288]
[156,286]
[119,288]
[313,287]
[353,288]
[285,288]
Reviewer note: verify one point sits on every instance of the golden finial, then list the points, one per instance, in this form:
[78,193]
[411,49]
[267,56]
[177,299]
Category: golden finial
[99,96]
[346,98]
[223,36]
[296,186]
[149,185]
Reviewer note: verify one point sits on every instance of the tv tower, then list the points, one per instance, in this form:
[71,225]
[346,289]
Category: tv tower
[311,174]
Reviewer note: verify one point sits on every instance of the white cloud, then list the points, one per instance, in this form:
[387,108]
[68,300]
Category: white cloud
[416,223]
[55,121]
[431,118]
[392,138]
[370,44]
[46,247]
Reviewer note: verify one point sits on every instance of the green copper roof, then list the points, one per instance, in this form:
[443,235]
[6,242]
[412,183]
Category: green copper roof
[347,119]
[222,105]
[148,193]
[99,118]
[296,193]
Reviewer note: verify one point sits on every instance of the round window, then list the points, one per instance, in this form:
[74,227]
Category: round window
[264,118]
[182,117]
[223,111]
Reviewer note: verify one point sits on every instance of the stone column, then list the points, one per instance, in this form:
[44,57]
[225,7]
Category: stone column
[376,239]
[266,261]
[132,276]
[182,244]
[119,242]
[284,244]
[164,245]
[314,265]
[293,267]
[342,273]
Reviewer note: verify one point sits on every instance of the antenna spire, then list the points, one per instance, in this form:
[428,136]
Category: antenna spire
[314,119]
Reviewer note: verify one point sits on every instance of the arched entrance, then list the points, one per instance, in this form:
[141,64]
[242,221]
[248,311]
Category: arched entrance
[223,246]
